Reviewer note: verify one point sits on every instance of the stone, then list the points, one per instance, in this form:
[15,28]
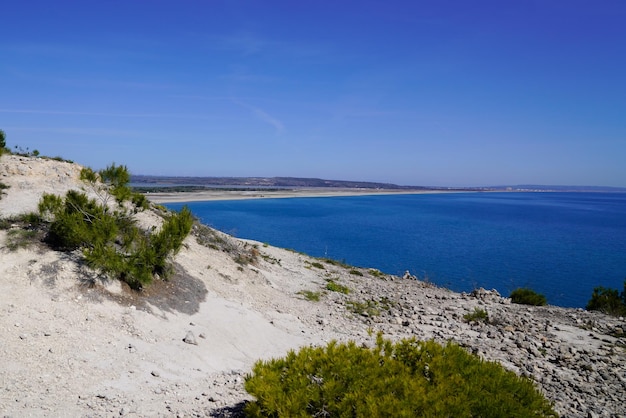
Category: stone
[190,338]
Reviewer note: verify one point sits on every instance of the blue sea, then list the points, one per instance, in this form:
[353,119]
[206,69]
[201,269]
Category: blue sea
[559,244]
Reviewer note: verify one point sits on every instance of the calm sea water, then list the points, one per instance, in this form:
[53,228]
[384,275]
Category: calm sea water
[560,244]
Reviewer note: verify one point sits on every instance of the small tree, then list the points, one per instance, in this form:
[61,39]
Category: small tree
[3,142]
[608,301]
[109,238]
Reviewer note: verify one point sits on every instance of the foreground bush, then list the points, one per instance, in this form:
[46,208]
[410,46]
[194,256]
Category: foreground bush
[525,296]
[407,379]
[107,234]
[608,301]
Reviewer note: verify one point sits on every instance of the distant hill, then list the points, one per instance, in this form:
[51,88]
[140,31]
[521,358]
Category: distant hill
[198,183]
[140,181]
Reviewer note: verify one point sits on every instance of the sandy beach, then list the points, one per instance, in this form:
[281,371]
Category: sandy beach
[210,195]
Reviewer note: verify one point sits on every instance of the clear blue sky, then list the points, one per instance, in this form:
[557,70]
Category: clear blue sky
[442,93]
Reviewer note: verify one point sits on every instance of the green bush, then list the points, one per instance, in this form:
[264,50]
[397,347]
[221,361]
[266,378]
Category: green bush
[526,296]
[608,301]
[377,273]
[336,287]
[479,315]
[310,295]
[3,142]
[110,240]
[367,308]
[20,238]
[406,379]
[22,230]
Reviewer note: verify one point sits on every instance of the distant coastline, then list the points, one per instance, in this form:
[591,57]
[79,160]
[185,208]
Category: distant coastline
[242,194]
[169,189]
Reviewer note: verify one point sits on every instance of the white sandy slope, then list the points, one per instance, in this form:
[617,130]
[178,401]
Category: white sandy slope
[67,347]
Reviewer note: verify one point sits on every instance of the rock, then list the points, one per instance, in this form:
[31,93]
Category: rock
[190,338]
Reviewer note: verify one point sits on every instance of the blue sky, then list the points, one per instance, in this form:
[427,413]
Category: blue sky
[442,93]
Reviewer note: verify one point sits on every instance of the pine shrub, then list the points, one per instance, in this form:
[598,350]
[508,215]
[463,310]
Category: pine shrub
[526,296]
[479,315]
[608,301]
[109,238]
[406,379]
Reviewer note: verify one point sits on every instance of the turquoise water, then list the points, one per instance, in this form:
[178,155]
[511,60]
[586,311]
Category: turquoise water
[560,244]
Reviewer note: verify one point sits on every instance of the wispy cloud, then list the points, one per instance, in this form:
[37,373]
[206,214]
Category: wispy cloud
[248,43]
[262,115]
[245,43]
[84,80]
[241,74]
[129,50]
[80,131]
[106,114]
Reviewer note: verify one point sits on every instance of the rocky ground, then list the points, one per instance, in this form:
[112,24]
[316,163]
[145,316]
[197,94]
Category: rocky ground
[74,346]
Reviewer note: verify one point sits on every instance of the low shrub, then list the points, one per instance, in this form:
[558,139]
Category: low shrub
[333,262]
[20,238]
[270,259]
[526,296]
[367,308]
[376,273]
[336,287]
[407,379]
[249,255]
[59,158]
[24,221]
[330,261]
[310,295]
[608,301]
[2,188]
[355,272]
[22,231]
[479,315]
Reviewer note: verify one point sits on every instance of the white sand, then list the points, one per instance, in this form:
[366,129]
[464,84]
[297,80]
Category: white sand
[210,195]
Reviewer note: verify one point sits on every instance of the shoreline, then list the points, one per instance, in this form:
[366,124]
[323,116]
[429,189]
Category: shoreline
[218,195]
